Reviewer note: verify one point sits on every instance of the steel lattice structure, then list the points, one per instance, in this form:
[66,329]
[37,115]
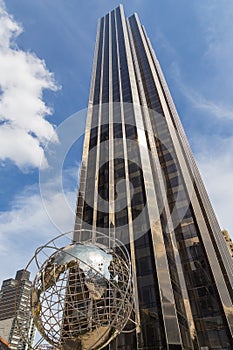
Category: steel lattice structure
[82,294]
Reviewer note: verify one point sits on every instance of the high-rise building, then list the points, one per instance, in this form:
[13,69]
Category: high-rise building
[139,183]
[15,300]
[228,241]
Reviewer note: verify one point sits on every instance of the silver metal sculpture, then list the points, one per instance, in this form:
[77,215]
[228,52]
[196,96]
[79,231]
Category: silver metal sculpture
[82,293]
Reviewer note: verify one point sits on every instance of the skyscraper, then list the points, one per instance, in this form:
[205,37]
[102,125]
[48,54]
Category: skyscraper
[15,299]
[139,183]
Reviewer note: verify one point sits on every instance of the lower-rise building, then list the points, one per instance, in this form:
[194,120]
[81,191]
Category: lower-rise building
[228,241]
[15,300]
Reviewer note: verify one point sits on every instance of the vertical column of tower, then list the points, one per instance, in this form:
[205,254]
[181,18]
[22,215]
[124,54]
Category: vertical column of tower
[111,140]
[121,159]
[80,211]
[187,331]
[101,114]
[201,237]
[167,302]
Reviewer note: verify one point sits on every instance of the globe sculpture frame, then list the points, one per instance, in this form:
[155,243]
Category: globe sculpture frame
[82,295]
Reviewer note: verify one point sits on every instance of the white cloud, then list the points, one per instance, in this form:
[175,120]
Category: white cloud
[216,22]
[216,166]
[213,148]
[214,155]
[23,77]
[214,151]
[32,220]
[212,108]
[200,102]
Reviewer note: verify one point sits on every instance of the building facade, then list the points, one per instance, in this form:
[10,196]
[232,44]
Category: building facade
[139,183]
[15,299]
[228,241]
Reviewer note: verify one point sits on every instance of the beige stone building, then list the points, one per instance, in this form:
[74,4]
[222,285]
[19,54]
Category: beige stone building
[228,241]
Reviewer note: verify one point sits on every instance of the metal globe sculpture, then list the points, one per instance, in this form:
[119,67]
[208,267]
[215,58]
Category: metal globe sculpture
[82,294]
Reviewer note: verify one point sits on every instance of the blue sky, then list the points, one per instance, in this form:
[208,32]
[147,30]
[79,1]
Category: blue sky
[45,68]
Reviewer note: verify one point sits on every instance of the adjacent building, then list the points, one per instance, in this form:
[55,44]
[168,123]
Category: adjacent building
[139,183]
[228,241]
[15,300]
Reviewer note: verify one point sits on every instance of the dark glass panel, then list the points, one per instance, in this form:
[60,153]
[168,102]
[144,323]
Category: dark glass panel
[105,87]
[99,61]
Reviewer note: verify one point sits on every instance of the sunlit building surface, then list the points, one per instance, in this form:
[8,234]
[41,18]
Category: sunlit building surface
[15,299]
[140,184]
[228,241]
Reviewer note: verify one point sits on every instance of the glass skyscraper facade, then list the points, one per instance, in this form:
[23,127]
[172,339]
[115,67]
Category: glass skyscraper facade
[139,183]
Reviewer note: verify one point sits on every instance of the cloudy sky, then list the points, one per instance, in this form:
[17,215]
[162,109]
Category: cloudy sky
[45,67]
